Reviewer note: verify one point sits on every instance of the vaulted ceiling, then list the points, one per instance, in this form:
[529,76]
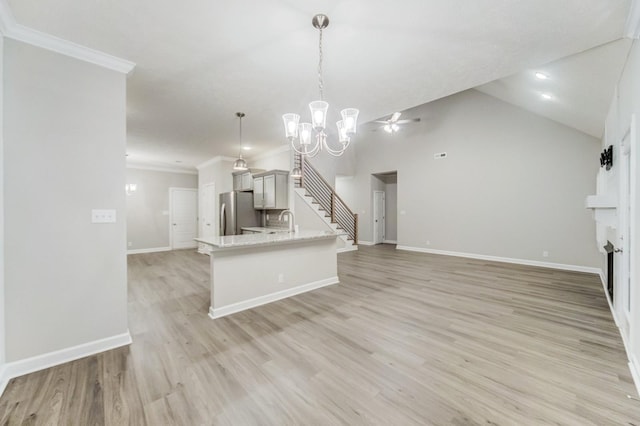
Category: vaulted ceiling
[199,62]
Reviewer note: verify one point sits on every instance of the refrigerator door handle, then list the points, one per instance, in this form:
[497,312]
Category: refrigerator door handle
[223,219]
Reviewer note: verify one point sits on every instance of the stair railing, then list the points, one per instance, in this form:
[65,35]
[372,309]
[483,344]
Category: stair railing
[324,194]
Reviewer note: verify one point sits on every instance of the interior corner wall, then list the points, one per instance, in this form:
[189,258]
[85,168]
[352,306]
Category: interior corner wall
[64,155]
[148,207]
[513,183]
[218,172]
[2,253]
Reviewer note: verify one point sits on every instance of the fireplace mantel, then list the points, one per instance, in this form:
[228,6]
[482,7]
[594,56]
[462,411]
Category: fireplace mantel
[604,209]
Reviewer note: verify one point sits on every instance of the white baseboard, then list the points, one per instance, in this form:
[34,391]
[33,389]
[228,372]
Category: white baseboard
[50,359]
[346,249]
[365,243]
[262,300]
[635,373]
[603,280]
[562,266]
[389,241]
[633,362]
[149,250]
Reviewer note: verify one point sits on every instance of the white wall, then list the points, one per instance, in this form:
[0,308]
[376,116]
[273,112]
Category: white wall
[619,119]
[279,159]
[64,155]
[2,252]
[148,207]
[217,170]
[513,184]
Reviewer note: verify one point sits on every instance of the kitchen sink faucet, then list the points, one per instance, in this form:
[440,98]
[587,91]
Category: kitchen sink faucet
[291,219]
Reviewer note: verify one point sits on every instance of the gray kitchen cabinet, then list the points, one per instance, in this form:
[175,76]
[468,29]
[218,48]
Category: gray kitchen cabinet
[271,190]
[243,179]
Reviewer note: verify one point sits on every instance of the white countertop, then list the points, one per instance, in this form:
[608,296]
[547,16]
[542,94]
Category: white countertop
[265,239]
[264,229]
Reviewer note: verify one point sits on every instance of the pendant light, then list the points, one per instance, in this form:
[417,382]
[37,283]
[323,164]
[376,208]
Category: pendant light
[240,163]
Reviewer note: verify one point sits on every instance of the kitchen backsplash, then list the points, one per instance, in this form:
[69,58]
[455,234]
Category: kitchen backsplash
[272,219]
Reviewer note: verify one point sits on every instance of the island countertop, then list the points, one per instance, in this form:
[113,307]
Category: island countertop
[252,240]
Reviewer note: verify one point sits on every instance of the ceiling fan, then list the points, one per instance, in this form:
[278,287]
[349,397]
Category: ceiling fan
[392,124]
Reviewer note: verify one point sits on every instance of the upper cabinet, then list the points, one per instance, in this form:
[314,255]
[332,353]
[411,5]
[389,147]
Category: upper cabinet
[243,179]
[271,190]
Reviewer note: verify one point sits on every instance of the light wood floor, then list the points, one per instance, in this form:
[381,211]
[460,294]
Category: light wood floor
[406,338]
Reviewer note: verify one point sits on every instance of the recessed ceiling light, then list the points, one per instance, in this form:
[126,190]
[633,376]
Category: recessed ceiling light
[246,148]
[546,96]
[178,161]
[541,76]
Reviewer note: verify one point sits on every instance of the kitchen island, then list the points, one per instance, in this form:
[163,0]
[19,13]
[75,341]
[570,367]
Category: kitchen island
[253,269]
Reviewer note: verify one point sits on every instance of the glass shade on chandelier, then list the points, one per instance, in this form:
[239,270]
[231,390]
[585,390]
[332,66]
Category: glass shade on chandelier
[311,138]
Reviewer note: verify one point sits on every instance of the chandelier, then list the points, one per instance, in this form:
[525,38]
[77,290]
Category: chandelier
[302,135]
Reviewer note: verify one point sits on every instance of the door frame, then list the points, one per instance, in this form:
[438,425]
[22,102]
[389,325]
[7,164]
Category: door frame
[171,191]
[627,208]
[378,239]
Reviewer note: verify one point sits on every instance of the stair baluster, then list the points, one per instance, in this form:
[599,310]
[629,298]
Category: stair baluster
[324,194]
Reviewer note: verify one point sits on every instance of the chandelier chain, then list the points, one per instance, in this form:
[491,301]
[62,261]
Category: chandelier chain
[320,80]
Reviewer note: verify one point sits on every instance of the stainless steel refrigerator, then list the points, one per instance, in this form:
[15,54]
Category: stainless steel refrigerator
[236,212]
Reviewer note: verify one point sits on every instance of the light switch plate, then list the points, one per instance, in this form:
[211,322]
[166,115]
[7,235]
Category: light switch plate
[103,216]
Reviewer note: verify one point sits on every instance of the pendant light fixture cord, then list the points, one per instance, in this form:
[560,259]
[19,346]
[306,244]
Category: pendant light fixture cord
[240,150]
[320,81]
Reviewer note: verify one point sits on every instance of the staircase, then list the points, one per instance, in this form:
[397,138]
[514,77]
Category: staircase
[322,198]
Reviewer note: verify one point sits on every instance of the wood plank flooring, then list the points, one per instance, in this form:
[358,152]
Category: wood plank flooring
[406,338]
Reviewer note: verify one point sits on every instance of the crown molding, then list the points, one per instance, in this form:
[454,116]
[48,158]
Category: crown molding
[11,29]
[632,26]
[6,17]
[165,169]
[214,160]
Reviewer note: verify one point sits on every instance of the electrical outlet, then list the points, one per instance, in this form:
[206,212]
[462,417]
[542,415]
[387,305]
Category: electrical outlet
[103,216]
[428,242]
[545,254]
[280,278]
[129,244]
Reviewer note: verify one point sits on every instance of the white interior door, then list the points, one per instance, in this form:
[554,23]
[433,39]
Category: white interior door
[208,221]
[626,212]
[184,217]
[378,217]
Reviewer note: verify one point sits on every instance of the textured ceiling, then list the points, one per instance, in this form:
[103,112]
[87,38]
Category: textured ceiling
[581,87]
[198,62]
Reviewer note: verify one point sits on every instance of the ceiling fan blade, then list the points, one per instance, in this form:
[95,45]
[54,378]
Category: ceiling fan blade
[408,120]
[395,117]
[381,121]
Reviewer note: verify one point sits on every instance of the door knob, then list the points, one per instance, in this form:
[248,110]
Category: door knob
[174,224]
[617,251]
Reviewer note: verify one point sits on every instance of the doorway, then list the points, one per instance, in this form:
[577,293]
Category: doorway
[378,216]
[183,217]
[384,207]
